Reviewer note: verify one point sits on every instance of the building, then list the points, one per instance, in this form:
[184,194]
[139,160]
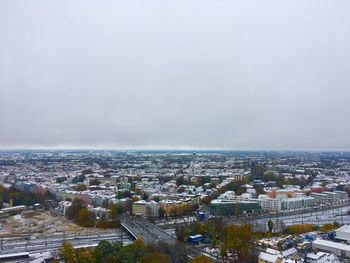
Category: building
[268,203]
[220,207]
[338,249]
[343,196]
[283,203]
[228,195]
[319,198]
[297,203]
[139,208]
[276,256]
[270,256]
[152,209]
[321,257]
[343,233]
[143,208]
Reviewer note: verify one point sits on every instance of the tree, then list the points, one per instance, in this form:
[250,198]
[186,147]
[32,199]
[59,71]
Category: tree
[94,182]
[117,246]
[103,251]
[145,196]
[178,253]
[80,187]
[72,212]
[86,218]
[270,225]
[181,233]
[155,257]
[238,238]
[68,253]
[162,212]
[200,259]
[87,171]
[79,178]
[131,253]
[115,210]
[326,228]
[84,256]
[299,229]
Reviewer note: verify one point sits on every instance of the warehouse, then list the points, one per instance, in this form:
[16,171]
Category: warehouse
[338,249]
[343,233]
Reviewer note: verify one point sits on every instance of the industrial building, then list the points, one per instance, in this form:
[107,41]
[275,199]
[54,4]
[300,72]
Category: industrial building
[343,233]
[338,249]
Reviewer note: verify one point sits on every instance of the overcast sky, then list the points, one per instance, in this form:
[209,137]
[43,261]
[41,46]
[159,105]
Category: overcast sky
[245,74]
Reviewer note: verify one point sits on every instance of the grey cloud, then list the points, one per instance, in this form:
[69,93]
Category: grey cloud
[219,74]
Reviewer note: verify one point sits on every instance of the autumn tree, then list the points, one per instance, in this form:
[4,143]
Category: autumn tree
[200,259]
[238,238]
[80,187]
[68,253]
[72,212]
[86,218]
[326,228]
[155,257]
[299,229]
[84,255]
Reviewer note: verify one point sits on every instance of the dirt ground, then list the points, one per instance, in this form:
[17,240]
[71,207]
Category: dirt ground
[39,223]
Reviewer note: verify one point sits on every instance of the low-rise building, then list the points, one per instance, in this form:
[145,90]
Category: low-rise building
[343,233]
[219,207]
[321,257]
[338,249]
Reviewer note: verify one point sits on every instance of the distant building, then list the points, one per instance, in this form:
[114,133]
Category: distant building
[143,208]
[220,207]
[139,208]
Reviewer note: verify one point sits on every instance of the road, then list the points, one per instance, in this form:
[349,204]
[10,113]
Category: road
[150,233]
[50,244]
[317,217]
[143,229]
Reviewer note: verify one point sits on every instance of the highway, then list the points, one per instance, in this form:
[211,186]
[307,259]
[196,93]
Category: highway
[142,229]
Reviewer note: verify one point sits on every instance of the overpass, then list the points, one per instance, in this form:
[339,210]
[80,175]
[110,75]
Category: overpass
[141,228]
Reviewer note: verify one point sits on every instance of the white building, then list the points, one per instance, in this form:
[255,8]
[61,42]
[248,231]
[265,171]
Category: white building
[297,203]
[343,233]
[338,249]
[228,195]
[321,257]
[268,203]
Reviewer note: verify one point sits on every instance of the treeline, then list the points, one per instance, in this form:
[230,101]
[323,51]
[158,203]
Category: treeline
[81,215]
[231,238]
[305,228]
[22,198]
[177,210]
[115,252]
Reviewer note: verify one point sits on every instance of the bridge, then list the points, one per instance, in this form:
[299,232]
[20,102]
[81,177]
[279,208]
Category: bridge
[141,228]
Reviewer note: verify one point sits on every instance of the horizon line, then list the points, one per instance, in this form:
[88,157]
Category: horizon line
[157,148]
